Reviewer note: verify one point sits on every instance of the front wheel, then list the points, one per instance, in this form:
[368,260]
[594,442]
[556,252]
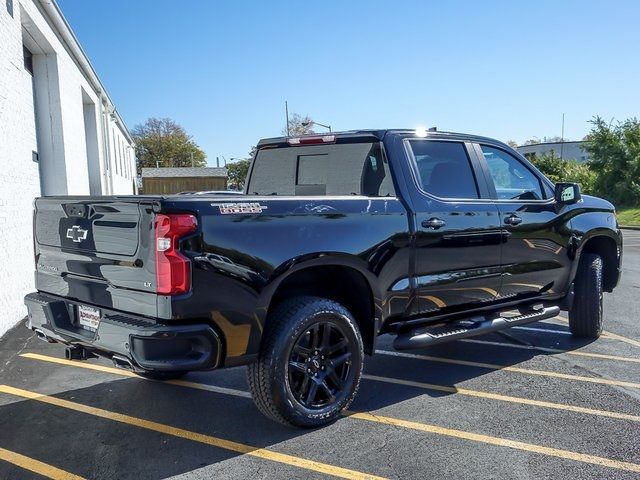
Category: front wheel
[310,363]
[585,317]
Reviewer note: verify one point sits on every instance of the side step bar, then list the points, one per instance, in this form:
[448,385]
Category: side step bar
[411,340]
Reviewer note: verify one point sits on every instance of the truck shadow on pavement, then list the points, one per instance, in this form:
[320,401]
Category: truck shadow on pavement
[97,447]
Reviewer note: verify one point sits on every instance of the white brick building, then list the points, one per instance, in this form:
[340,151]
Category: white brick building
[59,134]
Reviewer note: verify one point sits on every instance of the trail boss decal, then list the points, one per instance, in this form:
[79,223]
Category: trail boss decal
[235,208]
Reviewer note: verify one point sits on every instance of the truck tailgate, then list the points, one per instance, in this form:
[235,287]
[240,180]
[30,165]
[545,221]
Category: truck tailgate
[89,226]
[97,250]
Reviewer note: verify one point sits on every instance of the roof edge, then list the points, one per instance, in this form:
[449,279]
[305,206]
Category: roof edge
[53,11]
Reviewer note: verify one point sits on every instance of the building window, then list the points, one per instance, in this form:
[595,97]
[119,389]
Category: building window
[122,172]
[124,160]
[115,150]
[28,60]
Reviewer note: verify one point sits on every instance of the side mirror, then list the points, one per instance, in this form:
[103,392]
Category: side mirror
[567,193]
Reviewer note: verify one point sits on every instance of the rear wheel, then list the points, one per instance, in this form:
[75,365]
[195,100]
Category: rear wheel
[585,317]
[310,363]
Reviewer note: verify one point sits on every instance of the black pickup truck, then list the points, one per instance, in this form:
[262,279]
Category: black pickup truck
[339,238]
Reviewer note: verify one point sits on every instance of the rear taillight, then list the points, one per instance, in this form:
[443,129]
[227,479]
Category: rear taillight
[173,270]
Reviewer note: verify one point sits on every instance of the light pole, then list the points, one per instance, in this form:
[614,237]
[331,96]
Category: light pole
[286,110]
[306,124]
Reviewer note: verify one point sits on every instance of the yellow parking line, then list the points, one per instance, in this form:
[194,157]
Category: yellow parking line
[615,336]
[503,398]
[526,371]
[125,373]
[553,350]
[501,442]
[429,386]
[608,334]
[241,448]
[36,466]
[337,471]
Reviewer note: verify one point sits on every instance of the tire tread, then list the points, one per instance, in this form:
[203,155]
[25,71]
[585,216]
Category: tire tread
[585,317]
[258,373]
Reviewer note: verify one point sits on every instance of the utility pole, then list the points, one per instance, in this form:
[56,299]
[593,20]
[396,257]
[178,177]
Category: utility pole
[562,140]
[286,112]
[192,164]
[218,162]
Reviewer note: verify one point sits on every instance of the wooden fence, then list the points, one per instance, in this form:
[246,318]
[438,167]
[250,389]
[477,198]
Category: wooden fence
[169,185]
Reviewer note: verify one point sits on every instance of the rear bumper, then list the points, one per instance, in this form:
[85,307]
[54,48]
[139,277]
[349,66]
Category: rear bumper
[146,344]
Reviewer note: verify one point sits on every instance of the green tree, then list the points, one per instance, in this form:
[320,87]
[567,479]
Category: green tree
[163,142]
[512,143]
[237,173]
[299,125]
[614,151]
[563,170]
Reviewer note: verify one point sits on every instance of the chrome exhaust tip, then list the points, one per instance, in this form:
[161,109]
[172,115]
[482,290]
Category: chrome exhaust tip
[42,336]
[122,362]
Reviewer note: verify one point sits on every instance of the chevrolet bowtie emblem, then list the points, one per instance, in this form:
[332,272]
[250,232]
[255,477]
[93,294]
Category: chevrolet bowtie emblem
[76,234]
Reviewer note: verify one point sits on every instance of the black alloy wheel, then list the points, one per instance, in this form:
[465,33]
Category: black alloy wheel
[319,365]
[310,362]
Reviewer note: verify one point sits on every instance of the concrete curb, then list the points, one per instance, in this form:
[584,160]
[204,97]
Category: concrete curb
[629,227]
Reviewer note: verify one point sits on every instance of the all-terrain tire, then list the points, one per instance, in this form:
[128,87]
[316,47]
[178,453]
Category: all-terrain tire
[270,378]
[585,317]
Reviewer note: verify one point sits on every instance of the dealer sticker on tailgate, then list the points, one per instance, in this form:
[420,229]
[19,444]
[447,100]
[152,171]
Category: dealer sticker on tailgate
[88,317]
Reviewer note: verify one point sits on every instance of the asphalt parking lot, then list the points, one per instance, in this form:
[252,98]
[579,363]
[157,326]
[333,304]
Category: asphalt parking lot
[531,403]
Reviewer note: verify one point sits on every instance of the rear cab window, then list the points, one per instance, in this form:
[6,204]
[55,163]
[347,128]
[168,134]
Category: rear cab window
[325,169]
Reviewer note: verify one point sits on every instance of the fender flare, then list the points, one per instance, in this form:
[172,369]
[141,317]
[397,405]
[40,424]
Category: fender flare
[318,259]
[596,232]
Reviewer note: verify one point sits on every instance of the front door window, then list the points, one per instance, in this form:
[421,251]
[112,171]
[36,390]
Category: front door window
[513,181]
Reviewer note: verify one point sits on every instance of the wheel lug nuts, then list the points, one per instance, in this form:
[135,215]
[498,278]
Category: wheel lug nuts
[323,367]
[315,374]
[308,370]
[322,357]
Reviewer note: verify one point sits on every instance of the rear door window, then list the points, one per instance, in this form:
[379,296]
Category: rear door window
[336,169]
[444,169]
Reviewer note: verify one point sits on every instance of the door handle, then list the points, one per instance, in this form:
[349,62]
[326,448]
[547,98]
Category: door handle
[433,223]
[513,220]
